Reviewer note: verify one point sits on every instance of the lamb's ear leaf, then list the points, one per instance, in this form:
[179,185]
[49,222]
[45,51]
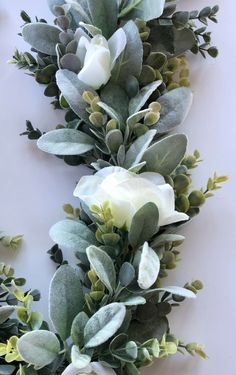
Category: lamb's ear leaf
[137,149]
[175,106]
[53,3]
[72,90]
[77,328]
[9,370]
[72,234]
[38,348]
[103,266]
[145,10]
[104,324]
[144,225]
[130,61]
[141,98]
[42,37]
[149,267]
[66,299]
[66,142]
[165,155]
[104,15]
[178,291]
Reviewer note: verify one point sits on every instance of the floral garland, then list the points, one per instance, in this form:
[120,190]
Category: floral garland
[118,69]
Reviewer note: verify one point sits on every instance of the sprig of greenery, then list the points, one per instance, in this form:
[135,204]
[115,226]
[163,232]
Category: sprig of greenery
[12,242]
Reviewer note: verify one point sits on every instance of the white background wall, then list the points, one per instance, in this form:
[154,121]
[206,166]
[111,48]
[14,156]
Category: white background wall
[35,185]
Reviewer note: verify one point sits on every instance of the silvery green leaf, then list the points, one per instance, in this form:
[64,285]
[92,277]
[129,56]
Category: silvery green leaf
[137,168]
[178,291]
[175,106]
[104,324]
[7,369]
[149,267]
[42,37]
[117,44]
[126,274]
[115,97]
[72,89]
[80,10]
[71,62]
[38,348]
[66,142]
[127,352]
[142,97]
[136,117]
[72,234]
[166,238]
[79,360]
[134,301]
[130,61]
[165,155]
[144,225]
[77,328]
[145,10]
[104,16]
[66,299]
[53,3]
[110,112]
[5,313]
[103,266]
[114,139]
[91,29]
[138,147]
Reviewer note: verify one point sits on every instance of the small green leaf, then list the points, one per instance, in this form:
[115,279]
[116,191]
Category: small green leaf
[66,299]
[5,313]
[38,348]
[144,224]
[104,324]
[77,328]
[79,360]
[142,97]
[103,266]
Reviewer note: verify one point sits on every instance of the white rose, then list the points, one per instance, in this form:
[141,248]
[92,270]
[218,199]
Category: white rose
[96,367]
[127,192]
[98,57]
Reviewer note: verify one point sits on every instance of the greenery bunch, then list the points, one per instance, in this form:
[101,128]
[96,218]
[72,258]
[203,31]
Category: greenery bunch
[109,313]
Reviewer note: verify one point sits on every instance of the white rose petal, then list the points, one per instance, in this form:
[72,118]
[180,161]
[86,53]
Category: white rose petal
[127,192]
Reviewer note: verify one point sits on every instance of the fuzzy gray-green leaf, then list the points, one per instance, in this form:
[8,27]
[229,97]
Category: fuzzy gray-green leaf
[66,142]
[164,156]
[42,37]
[103,266]
[142,97]
[175,106]
[145,10]
[104,16]
[104,324]
[38,348]
[149,267]
[5,313]
[138,147]
[66,299]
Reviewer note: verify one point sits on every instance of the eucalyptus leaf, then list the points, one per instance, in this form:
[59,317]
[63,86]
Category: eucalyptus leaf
[137,149]
[104,324]
[72,234]
[144,224]
[149,267]
[53,3]
[66,299]
[42,37]
[72,90]
[115,97]
[145,10]
[169,40]
[104,16]
[175,106]
[5,313]
[65,142]
[130,61]
[142,332]
[103,266]
[142,97]
[165,155]
[126,274]
[38,348]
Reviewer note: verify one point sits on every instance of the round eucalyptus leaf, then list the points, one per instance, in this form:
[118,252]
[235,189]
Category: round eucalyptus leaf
[38,348]
[126,274]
